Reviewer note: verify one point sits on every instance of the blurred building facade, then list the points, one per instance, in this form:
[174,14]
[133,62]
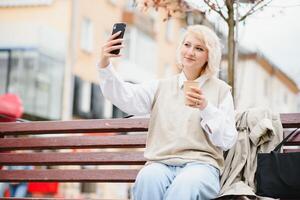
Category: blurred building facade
[260,83]
[33,53]
[49,50]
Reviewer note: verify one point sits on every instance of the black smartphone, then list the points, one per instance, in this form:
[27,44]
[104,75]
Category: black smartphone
[116,28]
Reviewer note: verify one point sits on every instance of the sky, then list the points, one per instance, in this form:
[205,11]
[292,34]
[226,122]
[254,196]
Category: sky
[274,31]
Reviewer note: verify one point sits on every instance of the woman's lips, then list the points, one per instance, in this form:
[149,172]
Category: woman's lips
[189,59]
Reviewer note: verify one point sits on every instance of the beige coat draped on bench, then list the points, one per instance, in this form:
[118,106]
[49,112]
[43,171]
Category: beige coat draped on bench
[259,130]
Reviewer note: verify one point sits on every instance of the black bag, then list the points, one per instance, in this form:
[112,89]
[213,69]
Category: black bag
[278,174]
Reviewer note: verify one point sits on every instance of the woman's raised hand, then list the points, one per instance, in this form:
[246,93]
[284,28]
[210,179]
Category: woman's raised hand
[110,45]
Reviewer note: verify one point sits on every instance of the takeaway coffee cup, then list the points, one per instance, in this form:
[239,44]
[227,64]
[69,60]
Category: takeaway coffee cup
[187,88]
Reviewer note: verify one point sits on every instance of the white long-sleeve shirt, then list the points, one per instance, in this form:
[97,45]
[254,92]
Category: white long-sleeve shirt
[136,99]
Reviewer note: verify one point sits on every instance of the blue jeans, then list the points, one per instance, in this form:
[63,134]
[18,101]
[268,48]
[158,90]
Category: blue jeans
[192,181]
[18,190]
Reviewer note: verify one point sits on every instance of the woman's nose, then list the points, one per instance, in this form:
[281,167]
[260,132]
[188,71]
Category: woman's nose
[191,51]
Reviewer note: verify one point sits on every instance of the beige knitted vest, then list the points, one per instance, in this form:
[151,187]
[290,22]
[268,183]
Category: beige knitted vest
[175,135]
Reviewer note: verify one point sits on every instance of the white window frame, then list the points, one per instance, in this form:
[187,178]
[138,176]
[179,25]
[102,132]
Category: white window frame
[108,109]
[87,35]
[85,97]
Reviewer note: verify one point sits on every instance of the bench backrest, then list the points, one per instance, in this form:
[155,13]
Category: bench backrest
[84,144]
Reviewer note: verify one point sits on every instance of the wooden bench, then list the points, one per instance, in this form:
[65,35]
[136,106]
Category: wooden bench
[87,142]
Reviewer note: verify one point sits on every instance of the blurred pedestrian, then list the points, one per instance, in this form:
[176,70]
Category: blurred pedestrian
[18,189]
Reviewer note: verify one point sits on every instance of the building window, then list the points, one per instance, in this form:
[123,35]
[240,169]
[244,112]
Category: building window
[169,30]
[82,98]
[3,71]
[144,51]
[36,77]
[43,87]
[87,35]
[140,49]
[52,74]
[88,100]
[85,96]
[97,102]
[108,109]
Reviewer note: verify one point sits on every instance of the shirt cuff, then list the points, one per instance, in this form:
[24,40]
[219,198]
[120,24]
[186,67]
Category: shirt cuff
[107,72]
[208,112]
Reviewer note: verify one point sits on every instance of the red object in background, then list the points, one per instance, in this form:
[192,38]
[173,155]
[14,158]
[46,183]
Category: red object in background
[11,107]
[43,188]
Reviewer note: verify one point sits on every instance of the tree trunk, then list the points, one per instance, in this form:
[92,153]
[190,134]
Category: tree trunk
[231,45]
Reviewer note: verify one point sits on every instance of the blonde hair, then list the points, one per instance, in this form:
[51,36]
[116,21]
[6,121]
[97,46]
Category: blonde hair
[211,42]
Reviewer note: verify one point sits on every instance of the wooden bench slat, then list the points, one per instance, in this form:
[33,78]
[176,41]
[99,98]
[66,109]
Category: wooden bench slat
[117,141]
[78,158]
[290,150]
[293,143]
[290,120]
[86,175]
[294,140]
[75,126]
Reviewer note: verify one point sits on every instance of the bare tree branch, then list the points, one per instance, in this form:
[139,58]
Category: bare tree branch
[217,9]
[254,8]
[218,5]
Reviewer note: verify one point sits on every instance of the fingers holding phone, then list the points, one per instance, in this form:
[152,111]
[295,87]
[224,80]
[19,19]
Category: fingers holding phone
[114,44]
[118,28]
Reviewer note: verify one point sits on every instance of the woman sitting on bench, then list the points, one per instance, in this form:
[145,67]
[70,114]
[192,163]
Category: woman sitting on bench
[188,131]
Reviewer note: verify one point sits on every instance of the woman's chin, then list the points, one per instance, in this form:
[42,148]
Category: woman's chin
[188,65]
